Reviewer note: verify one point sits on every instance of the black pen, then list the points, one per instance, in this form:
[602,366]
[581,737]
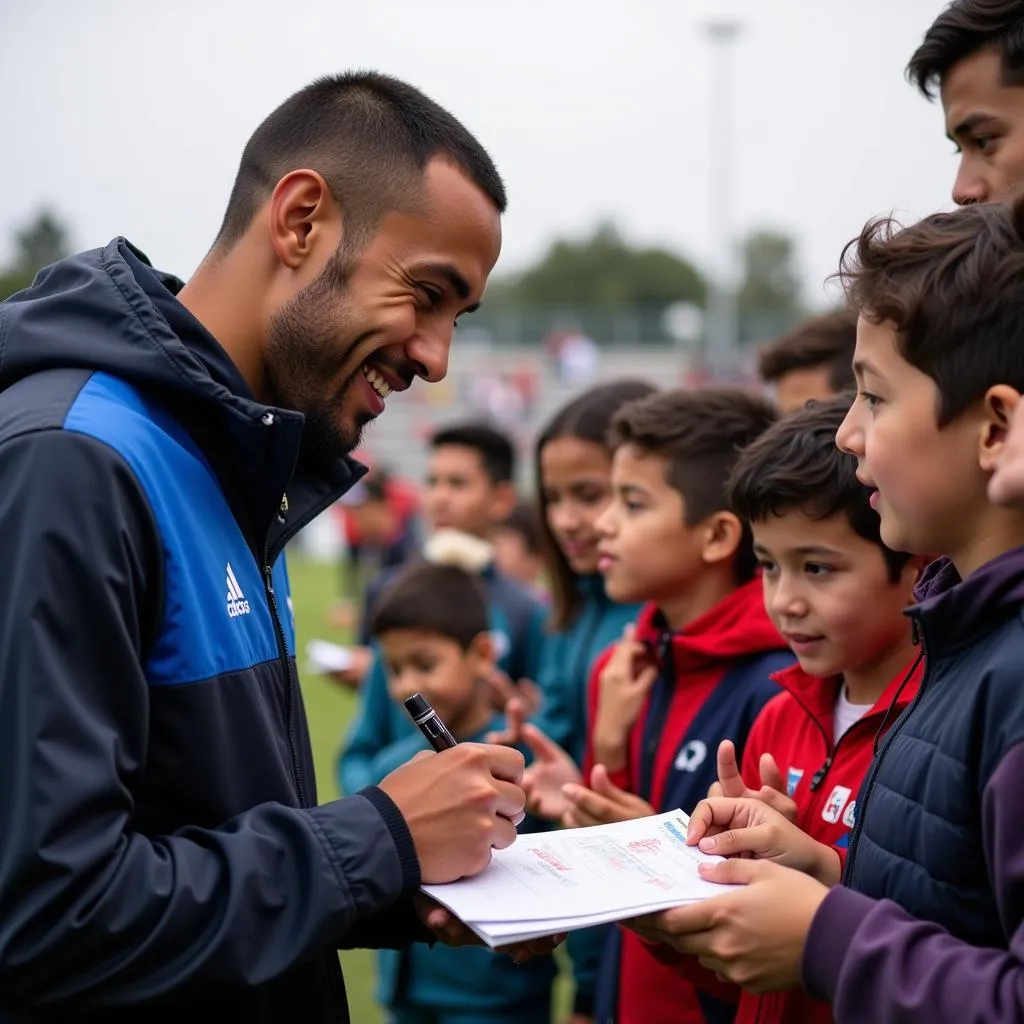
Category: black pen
[436,731]
[429,724]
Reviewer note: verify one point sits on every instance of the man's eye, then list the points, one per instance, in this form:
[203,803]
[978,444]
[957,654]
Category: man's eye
[434,296]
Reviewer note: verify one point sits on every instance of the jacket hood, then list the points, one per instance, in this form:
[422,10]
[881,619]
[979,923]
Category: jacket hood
[953,611]
[736,627]
[107,310]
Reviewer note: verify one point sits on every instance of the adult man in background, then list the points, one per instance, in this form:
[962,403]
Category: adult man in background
[813,361]
[163,856]
[972,57]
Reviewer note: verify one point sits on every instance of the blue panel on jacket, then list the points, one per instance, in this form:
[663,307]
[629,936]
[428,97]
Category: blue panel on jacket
[210,626]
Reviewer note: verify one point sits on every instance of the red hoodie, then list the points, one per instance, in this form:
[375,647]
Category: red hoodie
[715,680]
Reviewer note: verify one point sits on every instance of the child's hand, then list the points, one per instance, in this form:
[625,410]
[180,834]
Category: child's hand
[624,683]
[732,828]
[752,936]
[730,782]
[551,769]
[603,803]
[515,719]
[502,690]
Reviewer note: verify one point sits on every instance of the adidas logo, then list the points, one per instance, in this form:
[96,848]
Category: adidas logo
[237,604]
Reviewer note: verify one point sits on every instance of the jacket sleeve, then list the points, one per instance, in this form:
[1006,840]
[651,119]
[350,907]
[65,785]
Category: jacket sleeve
[89,909]
[876,963]
[366,754]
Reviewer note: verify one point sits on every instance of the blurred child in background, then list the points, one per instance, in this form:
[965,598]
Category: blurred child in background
[432,629]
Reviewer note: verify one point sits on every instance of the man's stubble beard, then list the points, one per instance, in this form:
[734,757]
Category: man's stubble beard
[301,355]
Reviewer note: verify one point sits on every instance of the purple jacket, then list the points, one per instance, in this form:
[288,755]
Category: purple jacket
[929,923]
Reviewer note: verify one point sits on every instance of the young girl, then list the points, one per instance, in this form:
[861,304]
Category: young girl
[573,474]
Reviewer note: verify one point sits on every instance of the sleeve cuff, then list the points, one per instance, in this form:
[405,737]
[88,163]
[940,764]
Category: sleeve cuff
[829,939]
[400,834]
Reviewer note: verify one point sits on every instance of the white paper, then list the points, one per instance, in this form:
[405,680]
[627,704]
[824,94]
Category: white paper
[323,656]
[552,882]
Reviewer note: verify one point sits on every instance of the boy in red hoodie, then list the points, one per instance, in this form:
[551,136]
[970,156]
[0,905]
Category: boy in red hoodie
[697,667]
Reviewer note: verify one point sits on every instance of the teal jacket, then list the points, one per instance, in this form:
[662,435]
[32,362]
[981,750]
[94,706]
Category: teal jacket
[372,749]
[569,656]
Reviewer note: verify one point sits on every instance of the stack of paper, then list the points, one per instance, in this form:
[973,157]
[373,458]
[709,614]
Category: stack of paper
[547,883]
[323,657]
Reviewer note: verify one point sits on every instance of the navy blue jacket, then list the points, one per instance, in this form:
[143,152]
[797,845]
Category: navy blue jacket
[162,855]
[929,923]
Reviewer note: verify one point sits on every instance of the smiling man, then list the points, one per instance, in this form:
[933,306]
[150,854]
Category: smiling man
[163,854]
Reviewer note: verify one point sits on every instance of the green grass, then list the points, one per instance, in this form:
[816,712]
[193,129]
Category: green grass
[329,709]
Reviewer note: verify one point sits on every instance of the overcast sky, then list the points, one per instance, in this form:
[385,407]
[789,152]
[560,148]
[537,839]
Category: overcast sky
[130,116]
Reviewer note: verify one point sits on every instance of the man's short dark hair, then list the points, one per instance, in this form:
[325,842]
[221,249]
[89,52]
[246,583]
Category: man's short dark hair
[826,340]
[700,435]
[496,451]
[961,30]
[370,136]
[441,599]
[952,285]
[795,466]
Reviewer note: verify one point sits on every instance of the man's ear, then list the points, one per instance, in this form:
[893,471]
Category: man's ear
[721,536]
[997,408]
[303,220]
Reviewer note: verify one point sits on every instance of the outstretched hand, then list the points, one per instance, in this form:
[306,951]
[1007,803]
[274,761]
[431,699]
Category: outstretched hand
[551,769]
[602,803]
[730,781]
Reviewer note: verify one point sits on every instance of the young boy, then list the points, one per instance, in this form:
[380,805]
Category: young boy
[837,595]
[469,489]
[433,631]
[929,923]
[697,668]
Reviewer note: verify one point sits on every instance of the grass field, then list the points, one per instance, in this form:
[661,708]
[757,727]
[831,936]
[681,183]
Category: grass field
[314,588]
[329,708]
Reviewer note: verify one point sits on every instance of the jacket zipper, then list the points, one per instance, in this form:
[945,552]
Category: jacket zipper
[282,651]
[898,725]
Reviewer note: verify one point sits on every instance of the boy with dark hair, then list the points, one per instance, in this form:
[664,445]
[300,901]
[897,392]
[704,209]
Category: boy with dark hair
[696,670]
[929,923]
[469,490]
[812,361]
[837,594]
[432,625]
[973,57]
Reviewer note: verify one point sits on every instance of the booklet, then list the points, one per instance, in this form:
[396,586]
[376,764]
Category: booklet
[546,883]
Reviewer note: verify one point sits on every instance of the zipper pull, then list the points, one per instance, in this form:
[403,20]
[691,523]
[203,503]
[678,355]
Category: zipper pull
[915,631]
[819,776]
[268,575]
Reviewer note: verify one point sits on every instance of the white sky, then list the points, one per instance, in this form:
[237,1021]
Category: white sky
[130,115]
